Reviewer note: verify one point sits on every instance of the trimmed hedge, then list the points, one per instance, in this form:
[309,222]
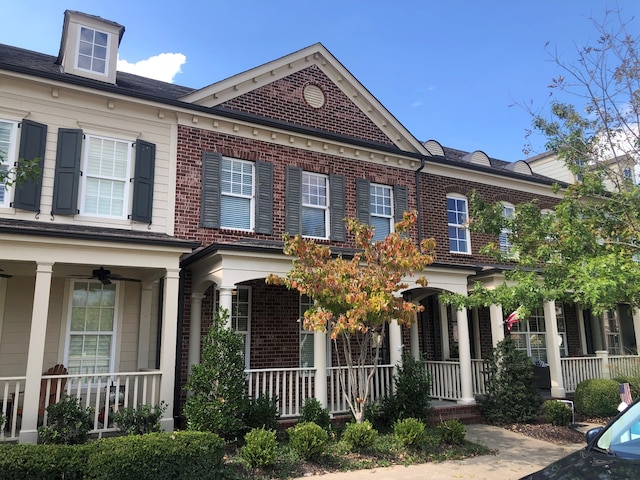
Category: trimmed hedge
[597,397]
[178,455]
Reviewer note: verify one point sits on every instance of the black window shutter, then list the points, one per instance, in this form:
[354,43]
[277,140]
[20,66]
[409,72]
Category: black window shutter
[210,201]
[67,175]
[142,210]
[264,197]
[33,139]
[400,201]
[336,194]
[363,201]
[293,200]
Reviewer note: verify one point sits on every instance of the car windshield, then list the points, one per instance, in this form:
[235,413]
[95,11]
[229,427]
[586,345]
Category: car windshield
[622,437]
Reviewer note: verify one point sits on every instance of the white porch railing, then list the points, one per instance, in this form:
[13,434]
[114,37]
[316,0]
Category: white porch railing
[380,384]
[106,393]
[445,380]
[578,369]
[292,386]
[10,388]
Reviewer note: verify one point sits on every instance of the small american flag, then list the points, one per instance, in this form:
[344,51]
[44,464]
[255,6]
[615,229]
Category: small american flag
[625,394]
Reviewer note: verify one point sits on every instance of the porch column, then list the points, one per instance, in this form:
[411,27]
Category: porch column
[415,340]
[320,363]
[497,324]
[553,349]
[603,355]
[583,333]
[144,332]
[464,352]
[395,343]
[35,358]
[636,328]
[444,331]
[168,345]
[195,329]
[226,302]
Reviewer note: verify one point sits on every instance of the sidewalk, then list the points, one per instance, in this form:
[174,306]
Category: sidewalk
[518,455]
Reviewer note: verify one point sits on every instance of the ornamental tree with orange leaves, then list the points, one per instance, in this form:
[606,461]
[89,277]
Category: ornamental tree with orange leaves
[355,296]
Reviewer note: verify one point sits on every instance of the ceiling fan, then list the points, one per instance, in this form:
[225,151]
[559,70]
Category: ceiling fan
[4,275]
[106,277]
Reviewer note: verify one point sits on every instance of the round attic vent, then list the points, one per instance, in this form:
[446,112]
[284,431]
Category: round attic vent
[313,95]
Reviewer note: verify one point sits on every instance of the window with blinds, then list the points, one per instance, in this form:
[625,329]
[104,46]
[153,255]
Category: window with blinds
[106,173]
[306,336]
[315,205]
[7,154]
[237,194]
[381,211]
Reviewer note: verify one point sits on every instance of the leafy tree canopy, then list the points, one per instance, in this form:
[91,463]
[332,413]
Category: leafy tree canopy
[588,250]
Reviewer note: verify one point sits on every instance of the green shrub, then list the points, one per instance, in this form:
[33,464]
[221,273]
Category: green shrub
[512,395]
[260,448]
[157,456]
[451,432]
[141,420]
[308,439]
[597,397]
[3,420]
[217,401]
[19,462]
[263,412]
[313,411]
[360,436]
[409,432]
[557,413]
[68,422]
[411,396]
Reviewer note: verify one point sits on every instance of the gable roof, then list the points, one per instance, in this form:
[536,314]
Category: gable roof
[317,55]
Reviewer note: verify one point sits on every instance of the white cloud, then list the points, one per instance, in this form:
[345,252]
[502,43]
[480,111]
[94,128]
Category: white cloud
[164,66]
[416,104]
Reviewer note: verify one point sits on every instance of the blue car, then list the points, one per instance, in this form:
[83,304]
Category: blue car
[612,453]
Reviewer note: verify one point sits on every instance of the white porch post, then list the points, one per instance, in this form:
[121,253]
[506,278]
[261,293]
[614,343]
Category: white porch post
[35,358]
[444,331]
[395,343]
[603,355]
[144,332]
[415,340]
[168,346]
[226,302]
[464,352]
[195,329]
[320,363]
[553,349]
[582,332]
[497,324]
[636,328]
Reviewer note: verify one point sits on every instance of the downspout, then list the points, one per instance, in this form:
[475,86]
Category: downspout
[418,204]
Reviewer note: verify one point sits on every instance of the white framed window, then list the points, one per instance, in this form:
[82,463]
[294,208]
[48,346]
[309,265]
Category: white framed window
[237,199]
[240,316]
[457,218]
[508,211]
[93,50]
[105,179]
[306,336]
[315,205]
[91,327]
[8,142]
[530,334]
[381,209]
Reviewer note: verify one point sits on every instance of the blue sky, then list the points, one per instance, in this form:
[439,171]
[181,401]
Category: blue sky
[448,70]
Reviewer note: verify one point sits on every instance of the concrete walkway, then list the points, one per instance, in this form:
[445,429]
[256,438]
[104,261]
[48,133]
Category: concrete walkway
[518,455]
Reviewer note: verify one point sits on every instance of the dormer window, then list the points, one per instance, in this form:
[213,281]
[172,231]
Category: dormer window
[93,50]
[89,46]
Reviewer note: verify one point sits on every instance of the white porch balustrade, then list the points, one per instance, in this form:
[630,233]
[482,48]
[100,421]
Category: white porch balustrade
[579,369]
[105,393]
